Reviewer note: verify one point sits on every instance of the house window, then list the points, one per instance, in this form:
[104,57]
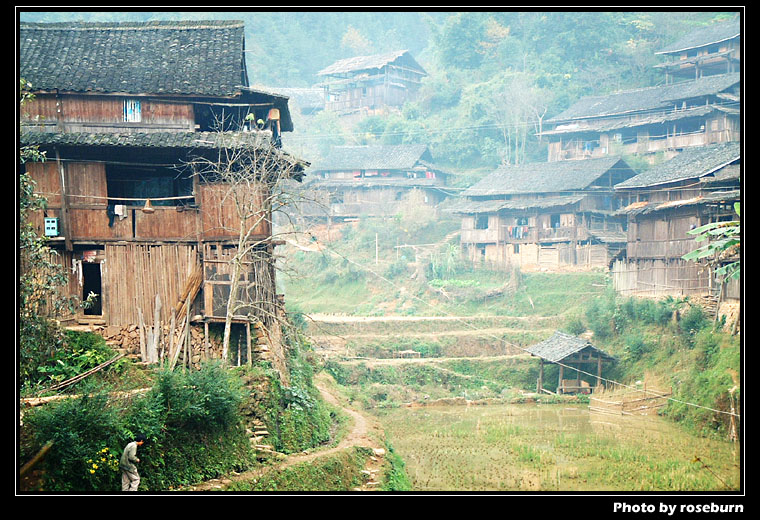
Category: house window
[132,186]
[132,112]
[481,222]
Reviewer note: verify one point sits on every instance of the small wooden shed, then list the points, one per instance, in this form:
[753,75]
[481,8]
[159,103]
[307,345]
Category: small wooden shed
[567,350]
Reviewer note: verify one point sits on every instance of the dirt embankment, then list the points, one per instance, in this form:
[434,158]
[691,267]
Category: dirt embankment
[364,432]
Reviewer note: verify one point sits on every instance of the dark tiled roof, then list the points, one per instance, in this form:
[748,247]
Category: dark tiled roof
[199,57]
[562,345]
[689,164]
[465,206]
[644,99]
[373,157]
[546,177]
[376,61]
[146,139]
[715,33]
[610,125]
[175,140]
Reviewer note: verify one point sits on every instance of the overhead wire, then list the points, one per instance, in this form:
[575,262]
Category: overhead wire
[490,126]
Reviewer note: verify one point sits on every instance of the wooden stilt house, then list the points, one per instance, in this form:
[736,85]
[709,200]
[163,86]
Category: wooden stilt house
[699,104]
[662,205]
[714,49]
[372,181]
[371,84]
[544,215]
[122,112]
[568,351]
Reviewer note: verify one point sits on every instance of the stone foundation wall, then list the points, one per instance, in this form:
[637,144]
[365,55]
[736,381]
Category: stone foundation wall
[127,340]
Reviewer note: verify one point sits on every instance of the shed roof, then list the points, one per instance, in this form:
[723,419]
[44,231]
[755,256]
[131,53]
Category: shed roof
[646,208]
[545,177]
[715,33]
[662,97]
[186,57]
[374,157]
[375,61]
[692,163]
[562,345]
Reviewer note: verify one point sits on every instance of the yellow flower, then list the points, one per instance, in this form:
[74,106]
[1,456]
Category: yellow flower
[95,466]
[92,471]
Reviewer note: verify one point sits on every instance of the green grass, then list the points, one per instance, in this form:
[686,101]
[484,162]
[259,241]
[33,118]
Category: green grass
[339,472]
[553,448]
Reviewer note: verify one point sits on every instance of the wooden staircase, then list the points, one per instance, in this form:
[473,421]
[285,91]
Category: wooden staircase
[712,302]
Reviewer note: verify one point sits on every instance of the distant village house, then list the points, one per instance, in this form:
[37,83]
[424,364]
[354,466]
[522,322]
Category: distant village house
[369,85]
[662,205]
[715,49]
[372,181]
[547,215]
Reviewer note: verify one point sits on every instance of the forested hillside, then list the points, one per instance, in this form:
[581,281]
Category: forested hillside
[492,76]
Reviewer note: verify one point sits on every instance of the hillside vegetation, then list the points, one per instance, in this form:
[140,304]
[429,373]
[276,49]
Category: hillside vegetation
[492,76]
[470,326]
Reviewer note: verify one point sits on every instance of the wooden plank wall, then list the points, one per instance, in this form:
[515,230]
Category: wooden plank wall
[105,114]
[656,277]
[133,274]
[219,218]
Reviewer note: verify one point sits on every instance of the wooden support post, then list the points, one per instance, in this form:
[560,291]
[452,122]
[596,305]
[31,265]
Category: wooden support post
[540,376]
[205,341]
[248,341]
[187,339]
[65,220]
[561,373]
[143,348]
[599,371]
[156,336]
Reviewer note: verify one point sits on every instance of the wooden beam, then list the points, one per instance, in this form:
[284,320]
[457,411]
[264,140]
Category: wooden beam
[599,370]
[248,341]
[64,203]
[540,376]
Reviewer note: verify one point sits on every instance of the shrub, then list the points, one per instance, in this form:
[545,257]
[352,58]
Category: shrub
[205,400]
[73,353]
[81,429]
[693,320]
[600,317]
[575,326]
[635,347]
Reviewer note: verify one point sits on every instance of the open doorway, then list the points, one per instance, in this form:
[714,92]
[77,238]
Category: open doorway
[92,283]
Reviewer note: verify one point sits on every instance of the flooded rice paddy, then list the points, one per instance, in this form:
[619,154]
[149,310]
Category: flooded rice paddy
[542,447]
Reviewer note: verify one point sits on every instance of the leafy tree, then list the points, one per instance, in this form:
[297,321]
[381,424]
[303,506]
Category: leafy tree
[723,247]
[39,276]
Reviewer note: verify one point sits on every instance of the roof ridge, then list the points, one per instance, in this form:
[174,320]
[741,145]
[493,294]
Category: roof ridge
[147,25]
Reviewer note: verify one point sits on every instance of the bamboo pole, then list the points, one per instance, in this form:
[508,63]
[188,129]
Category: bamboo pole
[248,341]
[143,350]
[81,376]
[40,454]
